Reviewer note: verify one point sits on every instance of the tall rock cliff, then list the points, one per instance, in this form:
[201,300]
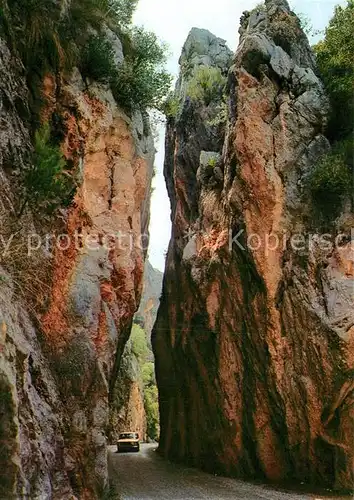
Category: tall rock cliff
[150,298]
[254,335]
[69,287]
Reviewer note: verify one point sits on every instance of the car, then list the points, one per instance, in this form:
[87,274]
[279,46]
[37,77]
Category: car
[128,441]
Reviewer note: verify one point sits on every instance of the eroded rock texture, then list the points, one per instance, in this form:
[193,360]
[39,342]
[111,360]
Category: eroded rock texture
[150,298]
[62,338]
[254,343]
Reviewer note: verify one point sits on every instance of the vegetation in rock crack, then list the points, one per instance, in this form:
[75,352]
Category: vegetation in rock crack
[206,85]
[286,30]
[221,115]
[47,184]
[172,105]
[138,81]
[212,162]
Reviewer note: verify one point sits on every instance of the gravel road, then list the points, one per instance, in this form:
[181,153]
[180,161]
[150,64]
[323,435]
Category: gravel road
[146,476]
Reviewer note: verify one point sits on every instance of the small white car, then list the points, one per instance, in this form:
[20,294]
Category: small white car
[128,441]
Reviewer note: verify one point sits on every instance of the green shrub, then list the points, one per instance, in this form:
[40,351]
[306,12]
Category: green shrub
[172,105]
[306,25]
[47,184]
[123,10]
[285,29]
[152,411]
[336,64]
[142,80]
[97,60]
[207,84]
[148,374]
[221,115]
[139,343]
[50,38]
[330,181]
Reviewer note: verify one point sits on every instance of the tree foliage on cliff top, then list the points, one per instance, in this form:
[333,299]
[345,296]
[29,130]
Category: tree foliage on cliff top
[331,180]
[55,36]
[335,59]
[142,79]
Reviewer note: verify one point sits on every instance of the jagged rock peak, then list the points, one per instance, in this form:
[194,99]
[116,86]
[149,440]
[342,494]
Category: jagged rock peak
[270,27]
[204,48]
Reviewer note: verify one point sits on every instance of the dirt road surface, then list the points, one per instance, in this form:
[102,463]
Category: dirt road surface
[146,476]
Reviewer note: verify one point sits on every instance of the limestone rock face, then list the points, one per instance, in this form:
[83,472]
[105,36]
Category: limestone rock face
[58,361]
[254,335]
[150,299]
[204,48]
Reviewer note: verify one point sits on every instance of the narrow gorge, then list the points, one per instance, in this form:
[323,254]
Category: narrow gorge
[238,360]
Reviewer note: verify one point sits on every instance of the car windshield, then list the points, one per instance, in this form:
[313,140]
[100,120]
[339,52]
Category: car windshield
[128,435]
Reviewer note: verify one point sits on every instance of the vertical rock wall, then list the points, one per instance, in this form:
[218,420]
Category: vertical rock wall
[57,363]
[150,299]
[254,335]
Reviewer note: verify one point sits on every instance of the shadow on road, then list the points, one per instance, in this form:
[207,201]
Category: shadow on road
[146,475]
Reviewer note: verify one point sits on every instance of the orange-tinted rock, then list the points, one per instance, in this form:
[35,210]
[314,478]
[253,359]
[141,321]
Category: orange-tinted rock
[253,339]
[57,364]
